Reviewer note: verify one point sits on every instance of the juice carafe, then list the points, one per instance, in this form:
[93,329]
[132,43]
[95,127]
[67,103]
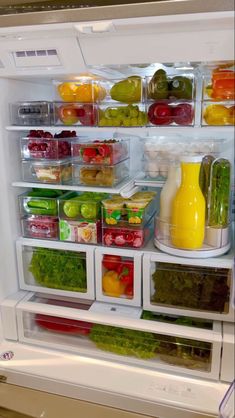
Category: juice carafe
[188,208]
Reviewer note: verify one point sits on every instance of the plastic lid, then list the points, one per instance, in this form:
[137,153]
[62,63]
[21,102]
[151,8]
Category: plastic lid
[191,158]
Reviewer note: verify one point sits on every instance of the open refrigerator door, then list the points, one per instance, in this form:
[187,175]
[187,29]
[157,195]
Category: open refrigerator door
[97,277]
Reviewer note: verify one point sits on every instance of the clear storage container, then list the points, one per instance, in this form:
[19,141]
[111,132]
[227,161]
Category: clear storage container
[118,276]
[41,171]
[175,287]
[39,202]
[218,114]
[85,114]
[55,271]
[128,90]
[122,115]
[100,175]
[163,86]
[123,212]
[219,85]
[162,346]
[165,112]
[40,227]
[133,236]
[101,152]
[80,206]
[80,231]
[84,90]
[32,113]
[45,148]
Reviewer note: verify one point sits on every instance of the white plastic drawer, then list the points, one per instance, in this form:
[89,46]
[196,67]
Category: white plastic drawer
[55,269]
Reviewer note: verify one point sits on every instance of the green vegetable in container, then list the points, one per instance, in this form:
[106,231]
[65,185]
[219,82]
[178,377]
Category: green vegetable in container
[158,86]
[124,341]
[205,177]
[127,90]
[219,198]
[59,269]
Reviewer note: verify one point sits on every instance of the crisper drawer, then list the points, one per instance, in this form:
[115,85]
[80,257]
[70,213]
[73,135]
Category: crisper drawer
[118,276]
[189,288]
[158,345]
[53,268]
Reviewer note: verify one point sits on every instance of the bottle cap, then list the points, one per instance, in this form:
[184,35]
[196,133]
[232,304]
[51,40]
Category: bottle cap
[191,158]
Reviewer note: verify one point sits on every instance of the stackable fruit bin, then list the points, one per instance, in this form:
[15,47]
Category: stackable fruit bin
[80,217]
[104,152]
[170,100]
[100,175]
[79,114]
[39,216]
[120,114]
[84,90]
[47,171]
[118,276]
[46,268]
[45,148]
[218,98]
[157,345]
[33,113]
[191,288]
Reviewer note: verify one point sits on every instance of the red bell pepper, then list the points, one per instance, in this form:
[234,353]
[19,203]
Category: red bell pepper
[111,262]
[125,271]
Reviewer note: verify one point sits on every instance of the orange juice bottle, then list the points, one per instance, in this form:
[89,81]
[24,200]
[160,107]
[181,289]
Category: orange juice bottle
[188,207]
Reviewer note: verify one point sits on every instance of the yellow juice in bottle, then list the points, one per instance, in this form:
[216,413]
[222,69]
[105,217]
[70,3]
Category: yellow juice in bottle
[188,208]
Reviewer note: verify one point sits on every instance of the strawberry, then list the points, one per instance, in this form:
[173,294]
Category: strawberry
[104,150]
[88,154]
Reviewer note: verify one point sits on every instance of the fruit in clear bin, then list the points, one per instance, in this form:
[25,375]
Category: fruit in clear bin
[71,208]
[223,85]
[130,115]
[216,114]
[127,90]
[42,227]
[87,115]
[111,262]
[68,114]
[231,116]
[158,86]
[181,88]
[183,114]
[123,237]
[112,285]
[160,113]
[88,210]
[67,91]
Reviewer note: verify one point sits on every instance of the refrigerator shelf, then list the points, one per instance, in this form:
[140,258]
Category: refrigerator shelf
[126,188]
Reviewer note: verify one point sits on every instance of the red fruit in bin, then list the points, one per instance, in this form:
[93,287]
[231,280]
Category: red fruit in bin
[119,240]
[88,154]
[108,238]
[129,237]
[129,291]
[104,150]
[87,115]
[65,325]
[183,114]
[160,113]
[111,262]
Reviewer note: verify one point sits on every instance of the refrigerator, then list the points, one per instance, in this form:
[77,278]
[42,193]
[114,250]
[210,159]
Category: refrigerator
[99,350]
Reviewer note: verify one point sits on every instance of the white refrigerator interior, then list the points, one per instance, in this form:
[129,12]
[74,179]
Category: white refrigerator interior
[33,61]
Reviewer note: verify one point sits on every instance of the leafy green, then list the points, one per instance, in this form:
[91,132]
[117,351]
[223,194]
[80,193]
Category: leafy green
[57,269]
[124,341]
[220,194]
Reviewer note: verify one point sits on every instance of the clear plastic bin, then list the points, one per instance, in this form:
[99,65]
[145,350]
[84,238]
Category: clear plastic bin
[122,115]
[55,172]
[133,211]
[100,175]
[219,85]
[157,168]
[85,114]
[101,152]
[45,148]
[80,206]
[36,203]
[127,90]
[80,91]
[83,232]
[32,113]
[165,112]
[40,227]
[162,86]
[127,236]
[218,114]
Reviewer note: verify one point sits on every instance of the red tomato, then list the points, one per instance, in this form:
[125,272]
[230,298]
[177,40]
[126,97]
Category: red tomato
[111,262]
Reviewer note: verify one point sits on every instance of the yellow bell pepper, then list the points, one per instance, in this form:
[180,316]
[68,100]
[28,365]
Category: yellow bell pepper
[112,286]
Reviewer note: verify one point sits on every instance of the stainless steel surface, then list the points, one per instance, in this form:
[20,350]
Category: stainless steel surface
[154,8]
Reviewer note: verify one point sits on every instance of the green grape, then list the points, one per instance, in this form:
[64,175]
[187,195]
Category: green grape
[103,122]
[134,113]
[107,112]
[114,113]
[126,122]
[134,121]
[116,122]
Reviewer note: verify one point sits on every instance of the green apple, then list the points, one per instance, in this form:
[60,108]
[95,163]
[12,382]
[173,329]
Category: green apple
[71,209]
[88,210]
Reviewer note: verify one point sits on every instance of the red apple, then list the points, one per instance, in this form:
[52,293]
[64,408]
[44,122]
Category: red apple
[68,114]
[87,115]
[183,114]
[160,113]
